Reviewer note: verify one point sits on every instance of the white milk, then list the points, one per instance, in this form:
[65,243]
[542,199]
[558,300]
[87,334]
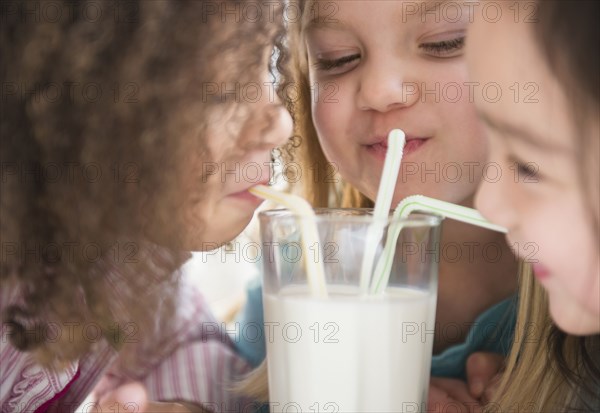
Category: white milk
[349,354]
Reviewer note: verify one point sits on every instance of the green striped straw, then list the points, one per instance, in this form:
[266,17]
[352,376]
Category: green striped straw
[423,204]
[309,234]
[383,203]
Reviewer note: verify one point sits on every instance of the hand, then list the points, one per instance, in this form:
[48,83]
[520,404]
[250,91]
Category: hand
[451,395]
[483,374]
[132,397]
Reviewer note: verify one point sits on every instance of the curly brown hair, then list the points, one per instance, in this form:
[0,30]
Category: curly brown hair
[98,101]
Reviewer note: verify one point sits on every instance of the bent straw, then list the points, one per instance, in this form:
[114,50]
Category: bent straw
[309,233]
[385,193]
[425,204]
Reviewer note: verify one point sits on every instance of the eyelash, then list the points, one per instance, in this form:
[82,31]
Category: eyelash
[437,48]
[326,65]
[444,47]
[528,171]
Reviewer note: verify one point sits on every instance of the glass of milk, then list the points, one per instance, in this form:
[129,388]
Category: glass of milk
[351,351]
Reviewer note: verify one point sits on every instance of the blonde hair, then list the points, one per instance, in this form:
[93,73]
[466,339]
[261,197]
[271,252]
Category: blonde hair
[546,369]
[555,371]
[321,185]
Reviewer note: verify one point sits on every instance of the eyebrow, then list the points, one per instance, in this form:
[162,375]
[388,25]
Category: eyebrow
[324,22]
[430,6]
[329,22]
[516,132]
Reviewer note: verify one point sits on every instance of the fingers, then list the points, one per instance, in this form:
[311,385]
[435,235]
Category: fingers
[482,372]
[133,398]
[130,397]
[457,389]
[490,391]
[157,407]
[437,400]
[451,395]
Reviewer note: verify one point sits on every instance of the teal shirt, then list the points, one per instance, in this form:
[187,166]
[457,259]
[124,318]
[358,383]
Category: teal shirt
[253,349]
[492,331]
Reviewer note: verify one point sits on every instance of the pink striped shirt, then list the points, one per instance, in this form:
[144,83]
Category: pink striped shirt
[193,360]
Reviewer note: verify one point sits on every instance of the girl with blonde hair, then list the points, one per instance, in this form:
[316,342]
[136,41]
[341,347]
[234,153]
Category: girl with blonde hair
[362,68]
[554,365]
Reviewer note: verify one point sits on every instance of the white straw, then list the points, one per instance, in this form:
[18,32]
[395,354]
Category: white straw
[383,203]
[424,204]
[309,234]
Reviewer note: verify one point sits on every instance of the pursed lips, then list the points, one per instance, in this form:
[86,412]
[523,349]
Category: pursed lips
[379,145]
[244,190]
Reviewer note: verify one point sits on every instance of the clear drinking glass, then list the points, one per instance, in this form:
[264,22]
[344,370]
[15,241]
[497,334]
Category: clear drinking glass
[351,351]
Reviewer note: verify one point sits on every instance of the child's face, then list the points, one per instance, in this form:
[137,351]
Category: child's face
[235,155]
[379,65]
[241,145]
[540,198]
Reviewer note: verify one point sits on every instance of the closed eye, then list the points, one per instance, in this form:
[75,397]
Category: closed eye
[446,48]
[332,64]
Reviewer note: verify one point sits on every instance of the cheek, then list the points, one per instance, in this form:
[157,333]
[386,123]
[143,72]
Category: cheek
[539,242]
[204,227]
[195,216]
[456,95]
[324,107]
[460,119]
[328,118]
[588,293]
[566,246]
[332,105]
[576,256]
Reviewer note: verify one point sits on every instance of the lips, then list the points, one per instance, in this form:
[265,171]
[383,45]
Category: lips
[378,146]
[413,144]
[540,271]
[244,192]
[246,196]
[239,177]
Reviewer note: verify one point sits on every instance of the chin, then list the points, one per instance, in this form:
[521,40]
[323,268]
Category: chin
[205,244]
[574,322]
[216,236]
[213,241]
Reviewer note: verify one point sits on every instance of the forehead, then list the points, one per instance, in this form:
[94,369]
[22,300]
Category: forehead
[331,14]
[239,48]
[511,79]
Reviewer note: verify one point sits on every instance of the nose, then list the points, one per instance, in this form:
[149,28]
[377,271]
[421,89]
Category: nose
[269,126]
[493,201]
[386,86]
[280,128]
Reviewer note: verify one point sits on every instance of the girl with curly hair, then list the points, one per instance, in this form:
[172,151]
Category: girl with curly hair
[130,135]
